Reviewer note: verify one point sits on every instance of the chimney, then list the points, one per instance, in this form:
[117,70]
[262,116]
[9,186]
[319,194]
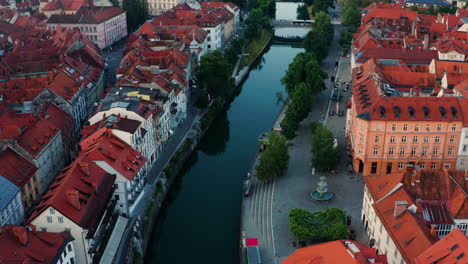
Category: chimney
[94,186]
[426,41]
[21,234]
[400,208]
[84,166]
[434,231]
[74,199]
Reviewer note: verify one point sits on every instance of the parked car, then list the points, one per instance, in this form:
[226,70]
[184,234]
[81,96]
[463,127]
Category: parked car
[332,112]
[340,112]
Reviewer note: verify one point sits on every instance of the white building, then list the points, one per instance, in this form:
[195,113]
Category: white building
[117,158]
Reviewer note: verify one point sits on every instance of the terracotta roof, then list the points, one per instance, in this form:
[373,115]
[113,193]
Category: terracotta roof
[390,13]
[339,251]
[87,15]
[409,235]
[451,249]
[19,245]
[409,56]
[461,12]
[104,146]
[410,230]
[15,168]
[457,67]
[84,178]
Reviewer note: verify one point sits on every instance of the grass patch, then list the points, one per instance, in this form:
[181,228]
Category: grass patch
[172,163]
[254,47]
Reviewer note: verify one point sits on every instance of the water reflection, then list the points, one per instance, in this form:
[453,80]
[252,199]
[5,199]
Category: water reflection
[217,136]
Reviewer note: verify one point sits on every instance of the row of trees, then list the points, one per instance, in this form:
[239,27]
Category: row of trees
[304,77]
[274,159]
[318,226]
[325,152]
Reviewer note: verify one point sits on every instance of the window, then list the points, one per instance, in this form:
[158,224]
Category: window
[393,127]
[413,152]
[454,127]
[60,219]
[424,152]
[373,167]
[466,135]
[400,165]
[403,139]
[117,197]
[436,152]
[376,151]
[450,151]
[422,165]
[415,139]
[426,139]
[433,165]
[465,148]
[43,229]
[361,138]
[377,139]
[402,151]
[69,248]
[416,127]
[439,127]
[428,128]
[452,139]
[378,127]
[390,151]
[462,162]
[392,139]
[49,219]
[437,139]
[395,253]
[363,126]
[360,150]
[405,127]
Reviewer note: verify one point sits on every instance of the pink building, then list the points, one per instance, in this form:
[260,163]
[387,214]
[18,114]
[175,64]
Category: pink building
[104,25]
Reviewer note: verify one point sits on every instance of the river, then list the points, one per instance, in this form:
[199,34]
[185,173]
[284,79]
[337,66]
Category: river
[200,221]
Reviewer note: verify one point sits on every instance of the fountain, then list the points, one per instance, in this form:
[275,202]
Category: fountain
[322,193]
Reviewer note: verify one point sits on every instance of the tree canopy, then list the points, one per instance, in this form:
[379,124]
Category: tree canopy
[137,13]
[255,22]
[214,74]
[274,160]
[325,153]
[318,226]
[317,40]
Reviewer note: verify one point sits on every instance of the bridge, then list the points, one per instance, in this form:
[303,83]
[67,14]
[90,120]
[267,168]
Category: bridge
[282,23]
[291,23]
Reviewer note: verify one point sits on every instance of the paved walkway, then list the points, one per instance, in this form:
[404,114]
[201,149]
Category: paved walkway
[266,210]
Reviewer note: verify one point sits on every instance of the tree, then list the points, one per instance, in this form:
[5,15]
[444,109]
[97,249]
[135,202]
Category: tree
[302,12]
[137,13]
[325,154]
[255,22]
[351,17]
[274,160]
[234,50]
[214,74]
[321,6]
[318,226]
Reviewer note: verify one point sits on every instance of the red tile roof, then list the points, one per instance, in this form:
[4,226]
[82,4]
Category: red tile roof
[91,183]
[104,146]
[432,205]
[339,251]
[19,245]
[15,168]
[452,249]
[87,15]
[462,12]
[390,13]
[410,236]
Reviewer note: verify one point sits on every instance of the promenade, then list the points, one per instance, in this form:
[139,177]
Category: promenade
[265,211]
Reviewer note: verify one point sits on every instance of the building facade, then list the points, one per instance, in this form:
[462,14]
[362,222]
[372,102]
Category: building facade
[102,25]
[11,206]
